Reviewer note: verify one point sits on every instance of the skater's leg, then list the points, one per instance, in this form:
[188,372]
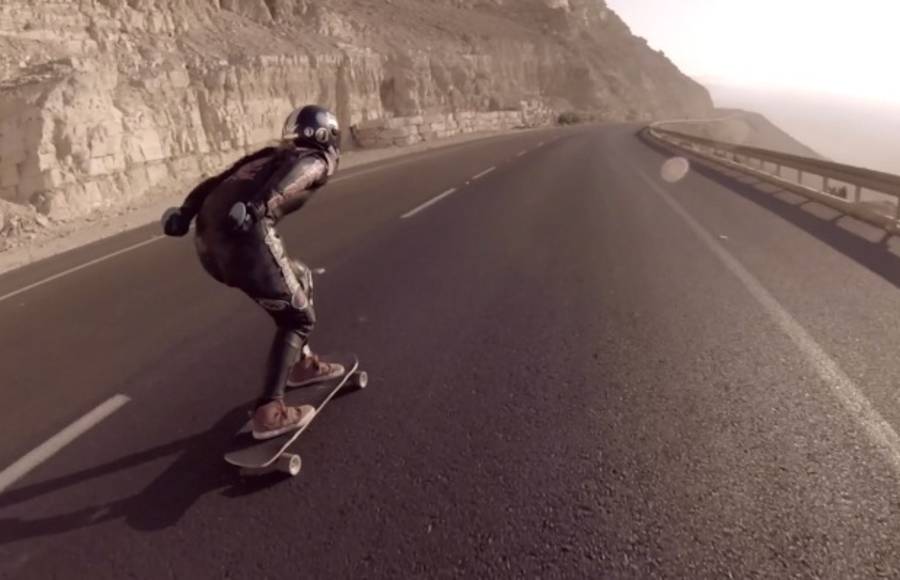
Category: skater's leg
[272,416]
[283,355]
[310,369]
[304,278]
[282,290]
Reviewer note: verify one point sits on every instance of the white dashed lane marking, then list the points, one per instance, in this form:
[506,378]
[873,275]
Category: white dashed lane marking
[52,446]
[483,173]
[428,203]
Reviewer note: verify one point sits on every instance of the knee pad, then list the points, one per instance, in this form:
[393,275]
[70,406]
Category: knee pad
[305,277]
[302,315]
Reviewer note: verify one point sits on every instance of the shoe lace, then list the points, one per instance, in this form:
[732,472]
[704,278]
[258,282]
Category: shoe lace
[314,362]
[280,411]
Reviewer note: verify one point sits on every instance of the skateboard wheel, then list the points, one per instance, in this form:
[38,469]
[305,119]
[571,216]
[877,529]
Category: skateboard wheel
[289,463]
[359,379]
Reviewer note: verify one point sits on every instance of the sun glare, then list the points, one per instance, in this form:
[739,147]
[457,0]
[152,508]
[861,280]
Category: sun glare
[811,45]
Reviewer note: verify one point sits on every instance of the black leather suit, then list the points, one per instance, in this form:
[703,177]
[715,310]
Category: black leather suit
[276,182]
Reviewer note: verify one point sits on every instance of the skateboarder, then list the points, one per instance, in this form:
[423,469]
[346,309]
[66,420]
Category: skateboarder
[238,245]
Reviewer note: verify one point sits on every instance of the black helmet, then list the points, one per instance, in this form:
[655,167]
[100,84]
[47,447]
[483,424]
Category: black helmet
[313,126]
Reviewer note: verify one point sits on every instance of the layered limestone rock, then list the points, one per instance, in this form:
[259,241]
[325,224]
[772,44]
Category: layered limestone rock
[105,101]
[399,131]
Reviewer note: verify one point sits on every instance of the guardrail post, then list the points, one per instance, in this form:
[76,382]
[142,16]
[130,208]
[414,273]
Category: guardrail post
[800,176]
[825,184]
[856,193]
[778,169]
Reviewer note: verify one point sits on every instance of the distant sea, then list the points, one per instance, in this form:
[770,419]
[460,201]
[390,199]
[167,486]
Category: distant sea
[843,129]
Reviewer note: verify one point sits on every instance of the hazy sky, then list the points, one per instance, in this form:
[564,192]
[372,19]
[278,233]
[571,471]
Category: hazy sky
[841,47]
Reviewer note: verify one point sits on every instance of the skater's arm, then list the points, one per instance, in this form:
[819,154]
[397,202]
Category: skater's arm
[294,184]
[194,200]
[176,221]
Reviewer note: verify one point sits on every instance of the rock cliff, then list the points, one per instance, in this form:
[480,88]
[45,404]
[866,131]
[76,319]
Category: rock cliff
[103,101]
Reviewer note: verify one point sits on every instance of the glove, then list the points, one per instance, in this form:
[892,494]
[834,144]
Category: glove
[175,223]
[244,215]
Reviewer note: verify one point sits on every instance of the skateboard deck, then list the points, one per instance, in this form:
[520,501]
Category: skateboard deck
[272,454]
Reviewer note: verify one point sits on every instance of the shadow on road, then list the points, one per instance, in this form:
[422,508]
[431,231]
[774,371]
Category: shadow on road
[198,470]
[876,256]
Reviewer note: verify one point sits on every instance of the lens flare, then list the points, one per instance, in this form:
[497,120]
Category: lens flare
[675,169]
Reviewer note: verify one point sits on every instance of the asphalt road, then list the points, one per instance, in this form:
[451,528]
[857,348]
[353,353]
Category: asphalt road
[577,369]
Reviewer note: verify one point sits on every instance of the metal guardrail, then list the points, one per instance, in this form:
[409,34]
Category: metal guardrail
[872,196]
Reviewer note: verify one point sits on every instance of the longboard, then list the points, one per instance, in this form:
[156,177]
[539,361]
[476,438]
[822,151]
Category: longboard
[255,456]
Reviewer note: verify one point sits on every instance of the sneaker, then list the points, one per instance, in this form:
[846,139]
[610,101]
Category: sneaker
[275,418]
[311,370]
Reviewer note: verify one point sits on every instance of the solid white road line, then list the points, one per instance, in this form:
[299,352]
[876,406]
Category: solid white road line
[880,432]
[138,245]
[428,203]
[483,173]
[52,446]
[157,238]
[80,267]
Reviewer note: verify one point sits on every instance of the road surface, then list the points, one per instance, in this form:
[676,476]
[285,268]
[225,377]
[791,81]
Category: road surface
[578,370]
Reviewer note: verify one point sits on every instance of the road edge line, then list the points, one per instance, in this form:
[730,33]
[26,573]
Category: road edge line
[860,409]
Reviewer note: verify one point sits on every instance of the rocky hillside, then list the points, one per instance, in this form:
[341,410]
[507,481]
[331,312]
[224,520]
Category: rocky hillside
[105,101]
